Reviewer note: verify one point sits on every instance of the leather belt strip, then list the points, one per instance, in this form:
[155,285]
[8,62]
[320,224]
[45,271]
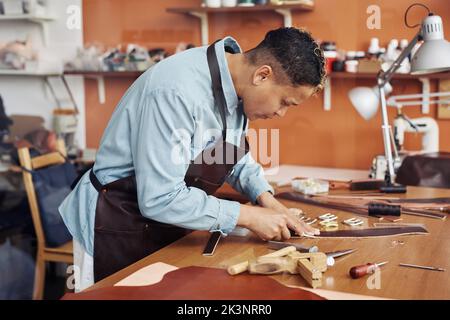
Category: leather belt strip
[356,209]
[372,232]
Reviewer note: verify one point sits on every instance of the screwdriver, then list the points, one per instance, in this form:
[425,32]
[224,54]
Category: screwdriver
[361,271]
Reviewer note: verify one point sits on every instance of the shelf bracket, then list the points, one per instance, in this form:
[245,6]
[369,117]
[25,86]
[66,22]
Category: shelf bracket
[44,29]
[204,29]
[100,88]
[426,95]
[287,16]
[327,95]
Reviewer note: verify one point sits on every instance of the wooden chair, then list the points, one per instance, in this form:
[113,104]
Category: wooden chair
[44,254]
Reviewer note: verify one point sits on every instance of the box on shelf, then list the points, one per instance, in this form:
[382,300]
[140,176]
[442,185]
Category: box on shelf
[369,66]
[12,7]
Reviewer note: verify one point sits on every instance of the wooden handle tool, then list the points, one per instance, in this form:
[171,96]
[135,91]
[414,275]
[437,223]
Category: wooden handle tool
[361,271]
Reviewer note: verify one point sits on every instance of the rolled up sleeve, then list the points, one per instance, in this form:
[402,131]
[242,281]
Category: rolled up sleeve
[161,163]
[248,178]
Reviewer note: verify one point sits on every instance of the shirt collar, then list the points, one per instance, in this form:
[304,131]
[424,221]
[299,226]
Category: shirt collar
[227,82]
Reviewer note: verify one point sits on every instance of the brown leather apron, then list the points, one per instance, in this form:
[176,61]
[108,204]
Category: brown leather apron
[122,234]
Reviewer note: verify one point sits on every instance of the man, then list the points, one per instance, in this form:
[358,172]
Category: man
[147,186]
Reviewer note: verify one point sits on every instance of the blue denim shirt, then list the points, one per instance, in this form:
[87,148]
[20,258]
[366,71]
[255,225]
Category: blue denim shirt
[164,120]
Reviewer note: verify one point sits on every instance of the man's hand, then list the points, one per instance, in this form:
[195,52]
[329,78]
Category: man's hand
[271,224]
[267,200]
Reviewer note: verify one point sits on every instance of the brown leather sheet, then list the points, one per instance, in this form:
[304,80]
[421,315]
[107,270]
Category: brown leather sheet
[373,232]
[199,283]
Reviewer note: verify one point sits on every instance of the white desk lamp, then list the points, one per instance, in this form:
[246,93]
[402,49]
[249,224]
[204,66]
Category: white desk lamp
[432,56]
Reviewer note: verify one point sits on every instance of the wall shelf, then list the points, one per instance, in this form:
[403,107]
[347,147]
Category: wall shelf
[106,74]
[41,20]
[100,77]
[203,12]
[6,72]
[397,76]
[29,17]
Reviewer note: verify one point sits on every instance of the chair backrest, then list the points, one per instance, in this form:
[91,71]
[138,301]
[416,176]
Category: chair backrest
[29,164]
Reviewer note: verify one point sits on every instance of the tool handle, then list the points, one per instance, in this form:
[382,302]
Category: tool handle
[361,271]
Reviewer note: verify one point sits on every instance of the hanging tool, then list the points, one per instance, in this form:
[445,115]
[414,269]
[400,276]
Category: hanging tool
[421,267]
[362,270]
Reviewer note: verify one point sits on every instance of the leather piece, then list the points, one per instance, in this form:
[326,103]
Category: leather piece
[199,283]
[426,170]
[372,232]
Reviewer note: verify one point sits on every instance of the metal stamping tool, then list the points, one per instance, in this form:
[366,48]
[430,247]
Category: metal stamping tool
[353,222]
[310,221]
[276,245]
[329,225]
[328,217]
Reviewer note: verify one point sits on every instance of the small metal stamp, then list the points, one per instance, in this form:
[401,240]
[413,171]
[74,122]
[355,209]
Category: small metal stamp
[310,221]
[329,225]
[328,217]
[353,222]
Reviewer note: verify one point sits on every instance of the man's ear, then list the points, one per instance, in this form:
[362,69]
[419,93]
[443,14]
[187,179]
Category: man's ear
[262,74]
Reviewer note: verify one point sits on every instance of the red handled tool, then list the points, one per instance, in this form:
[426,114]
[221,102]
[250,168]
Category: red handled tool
[361,271]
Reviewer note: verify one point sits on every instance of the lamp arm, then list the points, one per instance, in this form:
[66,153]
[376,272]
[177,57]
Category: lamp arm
[385,76]
[403,99]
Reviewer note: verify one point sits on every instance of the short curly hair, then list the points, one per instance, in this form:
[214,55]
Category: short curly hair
[296,52]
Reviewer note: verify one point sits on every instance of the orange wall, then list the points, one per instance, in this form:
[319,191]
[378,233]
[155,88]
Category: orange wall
[309,135]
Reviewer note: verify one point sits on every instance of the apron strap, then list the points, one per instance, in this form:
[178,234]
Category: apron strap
[217,87]
[241,104]
[97,185]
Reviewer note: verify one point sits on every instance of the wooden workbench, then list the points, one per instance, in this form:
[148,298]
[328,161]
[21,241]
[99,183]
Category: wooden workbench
[396,282]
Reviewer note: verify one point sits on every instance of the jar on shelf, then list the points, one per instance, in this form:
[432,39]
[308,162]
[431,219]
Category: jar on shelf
[329,53]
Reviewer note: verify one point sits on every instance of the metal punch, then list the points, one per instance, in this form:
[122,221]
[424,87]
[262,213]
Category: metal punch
[329,225]
[353,222]
[328,217]
[309,221]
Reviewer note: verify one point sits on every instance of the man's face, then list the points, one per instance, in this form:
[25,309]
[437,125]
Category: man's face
[267,99]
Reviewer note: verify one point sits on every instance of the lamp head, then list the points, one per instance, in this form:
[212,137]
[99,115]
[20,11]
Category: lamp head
[366,100]
[434,54]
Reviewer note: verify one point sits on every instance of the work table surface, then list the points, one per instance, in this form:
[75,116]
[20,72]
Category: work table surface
[396,282]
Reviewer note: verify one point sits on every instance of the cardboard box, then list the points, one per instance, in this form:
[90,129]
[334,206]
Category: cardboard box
[369,66]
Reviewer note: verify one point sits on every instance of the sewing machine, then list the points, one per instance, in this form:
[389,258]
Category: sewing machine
[426,126]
